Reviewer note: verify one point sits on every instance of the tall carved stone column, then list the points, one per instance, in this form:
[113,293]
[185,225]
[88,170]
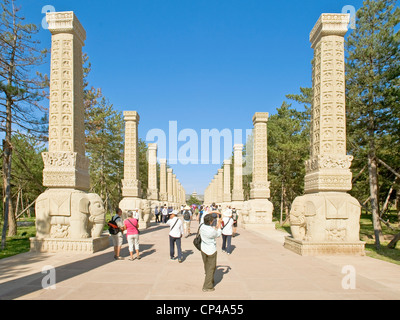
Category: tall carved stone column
[259,207]
[152,190]
[220,186]
[174,190]
[260,184]
[163,180]
[65,165]
[227,182]
[169,186]
[67,217]
[237,192]
[131,186]
[326,219]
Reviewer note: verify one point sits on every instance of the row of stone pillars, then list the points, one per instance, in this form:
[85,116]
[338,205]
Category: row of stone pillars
[257,211]
[324,220]
[170,193]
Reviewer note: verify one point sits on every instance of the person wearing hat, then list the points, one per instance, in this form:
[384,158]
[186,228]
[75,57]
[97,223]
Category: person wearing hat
[175,235]
[227,224]
[187,218]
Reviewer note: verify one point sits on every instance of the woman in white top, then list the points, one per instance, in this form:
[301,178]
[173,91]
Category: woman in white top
[227,231]
[175,235]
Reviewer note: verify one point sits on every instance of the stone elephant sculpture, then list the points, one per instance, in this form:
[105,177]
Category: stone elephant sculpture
[72,214]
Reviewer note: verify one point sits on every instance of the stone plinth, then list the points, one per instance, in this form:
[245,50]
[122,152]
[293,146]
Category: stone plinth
[70,245]
[308,248]
[326,220]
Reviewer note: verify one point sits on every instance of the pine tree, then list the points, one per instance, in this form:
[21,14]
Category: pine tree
[373,69]
[20,91]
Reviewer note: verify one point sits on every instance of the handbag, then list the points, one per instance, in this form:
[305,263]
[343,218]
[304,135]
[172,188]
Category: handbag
[197,240]
[134,226]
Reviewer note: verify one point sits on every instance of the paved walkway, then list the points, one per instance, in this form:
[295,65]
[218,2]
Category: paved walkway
[259,268]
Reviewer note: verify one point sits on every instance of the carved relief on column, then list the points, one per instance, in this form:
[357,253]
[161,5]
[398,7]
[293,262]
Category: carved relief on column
[170,185]
[131,186]
[163,180]
[227,181]
[65,163]
[152,190]
[329,167]
[260,184]
[237,192]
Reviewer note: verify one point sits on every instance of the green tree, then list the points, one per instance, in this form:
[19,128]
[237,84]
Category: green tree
[20,91]
[373,68]
[288,141]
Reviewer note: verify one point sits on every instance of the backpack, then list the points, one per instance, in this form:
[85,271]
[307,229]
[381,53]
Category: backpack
[197,240]
[113,227]
[186,215]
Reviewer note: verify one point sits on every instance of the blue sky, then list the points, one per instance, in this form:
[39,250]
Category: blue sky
[203,63]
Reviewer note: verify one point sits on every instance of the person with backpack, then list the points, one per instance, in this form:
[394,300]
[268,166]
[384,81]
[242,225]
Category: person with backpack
[175,235]
[187,218]
[117,236]
[132,234]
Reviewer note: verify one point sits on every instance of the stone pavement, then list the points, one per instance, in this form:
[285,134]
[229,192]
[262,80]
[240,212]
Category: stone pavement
[258,269]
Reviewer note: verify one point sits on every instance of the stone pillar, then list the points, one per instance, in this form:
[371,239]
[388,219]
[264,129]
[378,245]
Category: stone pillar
[65,165]
[131,186]
[174,190]
[259,207]
[67,217]
[326,219]
[237,192]
[152,190]
[169,185]
[260,184]
[220,186]
[227,182]
[163,180]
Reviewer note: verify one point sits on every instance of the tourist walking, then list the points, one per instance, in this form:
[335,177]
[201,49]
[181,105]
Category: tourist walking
[209,234]
[157,213]
[117,238]
[132,233]
[165,214]
[187,218]
[175,235]
[235,217]
[227,224]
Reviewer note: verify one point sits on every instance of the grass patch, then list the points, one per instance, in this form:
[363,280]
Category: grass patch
[19,243]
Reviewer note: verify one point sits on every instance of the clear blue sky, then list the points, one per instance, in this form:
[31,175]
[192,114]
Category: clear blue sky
[203,63]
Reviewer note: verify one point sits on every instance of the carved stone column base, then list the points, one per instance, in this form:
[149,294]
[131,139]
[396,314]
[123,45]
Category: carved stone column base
[54,245]
[307,248]
[325,220]
[258,214]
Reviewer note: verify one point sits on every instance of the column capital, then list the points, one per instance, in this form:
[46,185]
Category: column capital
[131,116]
[260,117]
[65,22]
[329,24]
[238,147]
